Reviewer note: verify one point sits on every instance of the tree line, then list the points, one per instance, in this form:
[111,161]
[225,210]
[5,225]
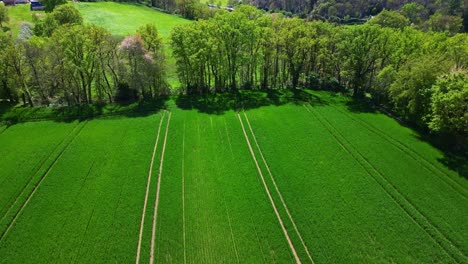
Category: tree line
[419,76]
[419,11]
[59,60]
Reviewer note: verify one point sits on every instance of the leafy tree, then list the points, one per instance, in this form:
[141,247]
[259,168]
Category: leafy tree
[449,105]
[7,90]
[411,91]
[454,7]
[35,56]
[414,12]
[79,45]
[19,72]
[145,62]
[150,36]
[3,14]
[390,19]
[364,49]
[67,14]
[49,5]
[297,42]
[46,26]
[457,49]
[440,23]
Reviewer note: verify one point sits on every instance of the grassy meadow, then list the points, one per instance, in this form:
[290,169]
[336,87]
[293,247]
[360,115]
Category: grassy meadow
[88,204]
[124,19]
[308,181]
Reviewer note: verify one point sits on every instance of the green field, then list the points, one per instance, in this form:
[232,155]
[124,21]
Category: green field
[311,181]
[119,18]
[124,19]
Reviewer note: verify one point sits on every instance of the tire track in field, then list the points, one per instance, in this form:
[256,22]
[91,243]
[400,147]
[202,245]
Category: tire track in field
[228,137]
[148,182]
[233,158]
[41,164]
[445,243]
[291,246]
[10,224]
[230,228]
[156,202]
[258,239]
[183,196]
[411,153]
[73,260]
[278,191]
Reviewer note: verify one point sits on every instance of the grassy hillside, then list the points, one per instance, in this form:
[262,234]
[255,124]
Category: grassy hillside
[123,19]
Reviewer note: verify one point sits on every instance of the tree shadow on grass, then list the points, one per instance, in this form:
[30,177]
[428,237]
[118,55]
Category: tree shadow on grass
[456,162]
[220,103]
[455,156]
[11,114]
[362,105]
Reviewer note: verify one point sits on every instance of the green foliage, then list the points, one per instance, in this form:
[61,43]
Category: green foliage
[150,37]
[414,12]
[63,15]
[45,26]
[457,49]
[49,5]
[449,104]
[67,14]
[411,91]
[441,23]
[390,19]
[364,49]
[4,18]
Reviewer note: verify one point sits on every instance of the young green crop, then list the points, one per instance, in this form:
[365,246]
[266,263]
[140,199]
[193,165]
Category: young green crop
[343,187]
[210,189]
[341,211]
[26,150]
[88,208]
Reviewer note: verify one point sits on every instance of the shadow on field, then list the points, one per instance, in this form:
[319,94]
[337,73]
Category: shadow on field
[456,162]
[219,103]
[11,114]
[455,152]
[360,106]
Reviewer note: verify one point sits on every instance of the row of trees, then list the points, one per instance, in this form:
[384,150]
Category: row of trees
[341,10]
[398,67]
[60,60]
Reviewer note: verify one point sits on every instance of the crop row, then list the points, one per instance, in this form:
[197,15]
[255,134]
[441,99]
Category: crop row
[342,213]
[88,207]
